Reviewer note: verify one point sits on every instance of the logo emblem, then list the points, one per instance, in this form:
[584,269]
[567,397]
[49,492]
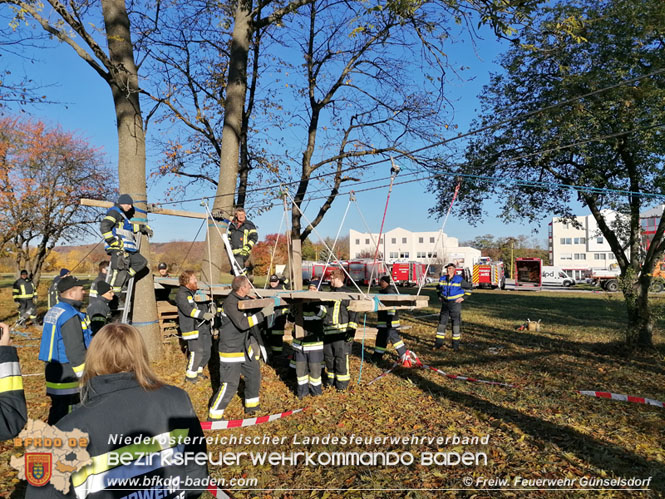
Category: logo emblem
[38,468]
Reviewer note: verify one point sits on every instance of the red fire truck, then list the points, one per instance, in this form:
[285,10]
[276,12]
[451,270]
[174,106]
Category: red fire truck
[488,274]
[362,271]
[315,270]
[408,273]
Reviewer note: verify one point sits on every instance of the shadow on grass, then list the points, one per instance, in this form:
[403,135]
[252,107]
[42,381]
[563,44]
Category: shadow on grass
[597,453]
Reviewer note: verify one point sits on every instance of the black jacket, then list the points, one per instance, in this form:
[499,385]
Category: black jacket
[339,320]
[242,237]
[23,289]
[387,319]
[190,313]
[13,412]
[99,313]
[93,287]
[118,406]
[237,327]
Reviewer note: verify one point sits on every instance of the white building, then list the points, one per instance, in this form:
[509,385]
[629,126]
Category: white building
[578,249]
[403,245]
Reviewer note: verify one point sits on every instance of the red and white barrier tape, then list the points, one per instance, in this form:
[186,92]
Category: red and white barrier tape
[218,493]
[623,398]
[465,378]
[384,373]
[240,423]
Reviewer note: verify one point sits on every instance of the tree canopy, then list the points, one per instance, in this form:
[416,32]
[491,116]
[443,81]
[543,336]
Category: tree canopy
[577,115]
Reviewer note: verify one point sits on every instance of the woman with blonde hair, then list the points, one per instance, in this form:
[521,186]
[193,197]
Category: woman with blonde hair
[139,429]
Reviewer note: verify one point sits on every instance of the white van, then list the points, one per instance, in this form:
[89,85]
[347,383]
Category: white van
[554,276]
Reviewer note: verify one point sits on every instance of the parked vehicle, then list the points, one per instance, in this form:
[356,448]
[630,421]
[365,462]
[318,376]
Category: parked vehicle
[362,271]
[528,273]
[555,276]
[606,279]
[488,274]
[315,270]
[408,273]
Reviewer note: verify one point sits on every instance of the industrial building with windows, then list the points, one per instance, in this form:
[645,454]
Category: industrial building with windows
[577,249]
[400,245]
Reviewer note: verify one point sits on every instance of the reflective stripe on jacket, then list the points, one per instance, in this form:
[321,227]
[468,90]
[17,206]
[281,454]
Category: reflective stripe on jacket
[454,288]
[116,224]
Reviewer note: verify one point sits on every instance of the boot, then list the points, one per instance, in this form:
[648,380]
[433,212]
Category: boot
[456,345]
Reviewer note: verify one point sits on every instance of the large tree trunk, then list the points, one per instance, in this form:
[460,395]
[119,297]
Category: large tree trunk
[639,332]
[234,104]
[131,158]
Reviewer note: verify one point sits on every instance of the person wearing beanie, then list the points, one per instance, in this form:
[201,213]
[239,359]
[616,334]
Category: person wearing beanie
[99,309]
[53,296]
[103,270]
[119,233]
[65,338]
[387,322]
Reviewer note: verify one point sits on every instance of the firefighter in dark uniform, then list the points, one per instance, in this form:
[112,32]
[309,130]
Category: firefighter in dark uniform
[154,427]
[65,339]
[387,324]
[452,290]
[53,296]
[13,411]
[99,309]
[120,237]
[103,268]
[309,349]
[194,319]
[163,272]
[339,327]
[275,333]
[24,294]
[239,351]
[242,236]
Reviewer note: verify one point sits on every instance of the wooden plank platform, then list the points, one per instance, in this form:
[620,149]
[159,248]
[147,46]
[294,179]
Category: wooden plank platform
[360,302]
[168,317]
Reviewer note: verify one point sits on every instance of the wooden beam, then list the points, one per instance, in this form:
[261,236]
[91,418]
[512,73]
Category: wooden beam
[152,208]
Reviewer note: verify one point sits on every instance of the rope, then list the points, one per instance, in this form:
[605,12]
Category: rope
[179,267]
[383,260]
[214,222]
[393,171]
[324,243]
[332,250]
[436,244]
[274,250]
[362,351]
[460,136]
[87,255]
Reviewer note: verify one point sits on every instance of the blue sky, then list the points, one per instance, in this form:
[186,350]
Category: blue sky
[86,108]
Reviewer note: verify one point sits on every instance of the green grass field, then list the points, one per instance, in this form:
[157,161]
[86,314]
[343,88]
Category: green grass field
[540,429]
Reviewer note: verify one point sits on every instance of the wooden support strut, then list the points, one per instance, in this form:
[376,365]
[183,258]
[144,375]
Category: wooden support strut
[152,208]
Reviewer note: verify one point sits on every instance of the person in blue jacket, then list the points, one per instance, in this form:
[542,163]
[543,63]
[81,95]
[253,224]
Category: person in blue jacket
[452,288]
[65,339]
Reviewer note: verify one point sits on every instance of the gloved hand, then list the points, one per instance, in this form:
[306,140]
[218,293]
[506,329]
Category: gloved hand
[116,243]
[145,229]
[208,316]
[268,309]
[217,214]
[246,250]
